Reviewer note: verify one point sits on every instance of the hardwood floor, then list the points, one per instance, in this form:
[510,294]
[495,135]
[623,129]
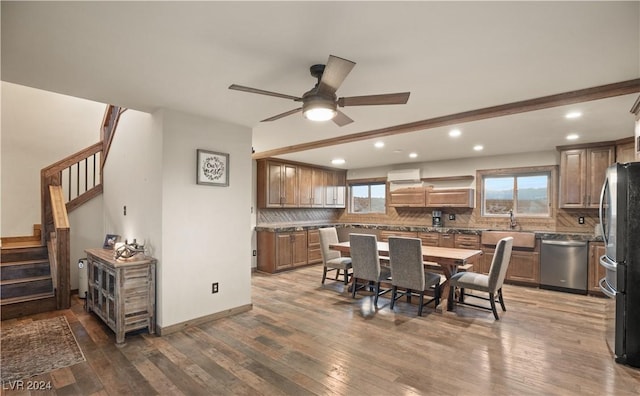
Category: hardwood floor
[304,338]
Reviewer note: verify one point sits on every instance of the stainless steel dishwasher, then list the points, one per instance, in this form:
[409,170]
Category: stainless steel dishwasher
[564,266]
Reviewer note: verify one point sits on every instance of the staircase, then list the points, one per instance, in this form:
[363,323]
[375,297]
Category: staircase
[35,269]
[26,282]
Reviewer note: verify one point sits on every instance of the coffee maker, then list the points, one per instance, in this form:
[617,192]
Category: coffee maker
[436,218]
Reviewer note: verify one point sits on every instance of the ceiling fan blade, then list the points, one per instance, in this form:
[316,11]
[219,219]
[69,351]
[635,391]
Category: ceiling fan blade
[262,92]
[369,100]
[342,119]
[334,73]
[282,115]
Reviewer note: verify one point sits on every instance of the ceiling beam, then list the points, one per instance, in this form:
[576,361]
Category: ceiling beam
[545,102]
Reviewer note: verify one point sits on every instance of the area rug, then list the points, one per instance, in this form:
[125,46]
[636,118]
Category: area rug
[37,347]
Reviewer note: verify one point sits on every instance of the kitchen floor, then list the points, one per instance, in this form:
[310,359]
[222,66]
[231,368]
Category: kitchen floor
[305,338]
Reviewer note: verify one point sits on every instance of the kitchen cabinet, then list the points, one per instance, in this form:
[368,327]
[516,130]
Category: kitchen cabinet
[626,150]
[278,251]
[450,198]
[313,247]
[596,271]
[310,187]
[582,172]
[277,185]
[430,238]
[408,197]
[335,189]
[446,240]
[290,185]
[524,266]
[468,241]
[384,235]
[121,292]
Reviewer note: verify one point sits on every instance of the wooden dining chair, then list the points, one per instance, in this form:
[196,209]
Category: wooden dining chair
[408,272]
[332,259]
[491,283]
[366,265]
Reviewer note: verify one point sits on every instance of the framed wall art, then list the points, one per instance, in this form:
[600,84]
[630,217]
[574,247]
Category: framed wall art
[110,241]
[213,168]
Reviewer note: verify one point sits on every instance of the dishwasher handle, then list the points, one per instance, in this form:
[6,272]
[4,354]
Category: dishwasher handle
[565,243]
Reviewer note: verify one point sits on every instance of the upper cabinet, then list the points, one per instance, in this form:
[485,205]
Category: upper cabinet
[626,150]
[408,197]
[450,198]
[288,185]
[582,172]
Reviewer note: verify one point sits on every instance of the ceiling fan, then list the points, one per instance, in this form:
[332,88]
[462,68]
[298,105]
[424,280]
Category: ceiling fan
[321,103]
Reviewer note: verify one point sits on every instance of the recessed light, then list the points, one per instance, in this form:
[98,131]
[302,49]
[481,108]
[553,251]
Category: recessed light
[478,147]
[338,161]
[413,155]
[573,114]
[572,136]
[379,144]
[455,133]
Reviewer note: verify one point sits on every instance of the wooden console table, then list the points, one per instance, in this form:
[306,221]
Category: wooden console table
[122,292]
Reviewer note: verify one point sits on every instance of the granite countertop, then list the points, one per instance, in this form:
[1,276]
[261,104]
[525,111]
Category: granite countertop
[280,227]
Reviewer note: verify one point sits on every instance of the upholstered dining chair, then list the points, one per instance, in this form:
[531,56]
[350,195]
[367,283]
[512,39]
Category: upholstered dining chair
[332,259]
[491,283]
[366,265]
[408,272]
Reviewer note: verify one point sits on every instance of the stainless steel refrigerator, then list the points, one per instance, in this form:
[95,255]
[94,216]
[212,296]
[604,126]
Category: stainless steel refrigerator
[620,219]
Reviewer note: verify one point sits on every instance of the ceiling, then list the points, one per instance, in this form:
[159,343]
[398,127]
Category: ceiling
[452,56]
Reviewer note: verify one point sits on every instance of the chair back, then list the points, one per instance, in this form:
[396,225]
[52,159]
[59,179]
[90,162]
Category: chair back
[328,236]
[407,269]
[500,263]
[365,260]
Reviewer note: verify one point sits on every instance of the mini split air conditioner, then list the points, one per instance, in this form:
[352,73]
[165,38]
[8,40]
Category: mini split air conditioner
[404,176]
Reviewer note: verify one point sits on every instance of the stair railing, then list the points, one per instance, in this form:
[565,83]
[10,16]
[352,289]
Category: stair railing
[60,243]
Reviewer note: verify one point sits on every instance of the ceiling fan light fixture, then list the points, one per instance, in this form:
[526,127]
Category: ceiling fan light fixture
[318,108]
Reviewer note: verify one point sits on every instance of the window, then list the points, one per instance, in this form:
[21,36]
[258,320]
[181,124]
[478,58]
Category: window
[367,198]
[526,193]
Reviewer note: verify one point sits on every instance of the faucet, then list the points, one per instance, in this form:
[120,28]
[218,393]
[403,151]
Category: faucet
[512,220]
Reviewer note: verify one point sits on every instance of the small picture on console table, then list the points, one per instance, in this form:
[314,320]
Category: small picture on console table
[110,241]
[213,168]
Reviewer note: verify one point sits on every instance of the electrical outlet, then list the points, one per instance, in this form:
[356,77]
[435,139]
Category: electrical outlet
[580,220]
[255,253]
[214,287]
[452,216]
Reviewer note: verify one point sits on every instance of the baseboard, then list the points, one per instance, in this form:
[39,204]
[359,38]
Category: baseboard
[204,319]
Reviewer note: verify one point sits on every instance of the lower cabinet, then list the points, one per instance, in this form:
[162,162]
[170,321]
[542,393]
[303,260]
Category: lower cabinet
[278,251]
[121,293]
[467,241]
[313,247]
[596,271]
[384,235]
[430,238]
[524,267]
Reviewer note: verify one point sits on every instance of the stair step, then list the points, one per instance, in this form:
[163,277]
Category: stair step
[24,269]
[11,288]
[31,297]
[23,253]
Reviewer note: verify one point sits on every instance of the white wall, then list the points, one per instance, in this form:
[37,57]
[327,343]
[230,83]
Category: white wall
[38,129]
[199,234]
[207,232]
[464,166]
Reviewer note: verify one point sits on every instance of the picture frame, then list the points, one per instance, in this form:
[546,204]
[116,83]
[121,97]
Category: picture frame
[110,241]
[212,168]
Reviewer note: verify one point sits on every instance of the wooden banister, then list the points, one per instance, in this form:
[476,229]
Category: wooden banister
[61,244]
[107,131]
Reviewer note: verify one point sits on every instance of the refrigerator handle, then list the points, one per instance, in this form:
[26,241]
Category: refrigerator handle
[601,211]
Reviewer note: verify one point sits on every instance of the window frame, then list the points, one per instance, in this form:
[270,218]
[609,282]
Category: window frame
[369,183]
[550,171]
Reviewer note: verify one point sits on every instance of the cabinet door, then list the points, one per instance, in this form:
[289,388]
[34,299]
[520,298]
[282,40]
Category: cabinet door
[573,188]
[305,186]
[598,161]
[429,238]
[407,197]
[299,247]
[284,253]
[484,264]
[447,240]
[290,185]
[454,198]
[596,271]
[384,235]
[313,247]
[626,152]
[524,267]
[317,184]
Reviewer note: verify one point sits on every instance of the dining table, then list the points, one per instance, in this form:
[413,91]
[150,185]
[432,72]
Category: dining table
[449,260]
